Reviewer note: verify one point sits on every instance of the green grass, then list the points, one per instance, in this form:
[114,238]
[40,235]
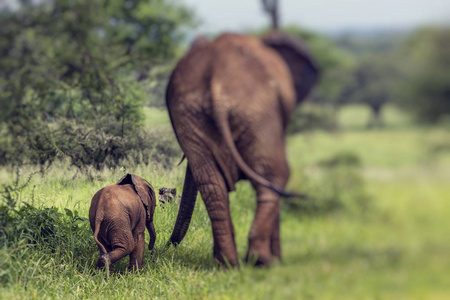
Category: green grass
[355,117]
[398,249]
[156,118]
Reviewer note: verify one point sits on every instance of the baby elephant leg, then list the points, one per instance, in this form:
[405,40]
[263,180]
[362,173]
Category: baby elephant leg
[152,232]
[122,245]
[136,256]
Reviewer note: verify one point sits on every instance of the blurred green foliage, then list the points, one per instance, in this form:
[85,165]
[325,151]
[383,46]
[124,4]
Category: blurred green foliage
[28,230]
[308,117]
[354,69]
[336,186]
[374,80]
[409,69]
[74,76]
[425,66]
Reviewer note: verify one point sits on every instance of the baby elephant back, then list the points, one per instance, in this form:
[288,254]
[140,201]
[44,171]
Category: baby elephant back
[144,190]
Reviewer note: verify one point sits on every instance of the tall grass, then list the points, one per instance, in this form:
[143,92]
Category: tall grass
[398,248]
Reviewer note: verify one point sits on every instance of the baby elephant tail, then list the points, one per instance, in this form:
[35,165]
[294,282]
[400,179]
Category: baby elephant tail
[98,222]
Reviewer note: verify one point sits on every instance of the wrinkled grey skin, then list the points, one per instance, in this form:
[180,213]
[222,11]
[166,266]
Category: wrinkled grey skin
[230,101]
[118,216]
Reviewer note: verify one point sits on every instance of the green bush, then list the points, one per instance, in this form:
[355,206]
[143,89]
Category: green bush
[91,146]
[307,117]
[336,187]
[425,62]
[42,237]
[75,75]
[99,148]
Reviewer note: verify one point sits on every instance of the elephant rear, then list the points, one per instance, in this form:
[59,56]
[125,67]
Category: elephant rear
[110,210]
[230,101]
[118,216]
[227,99]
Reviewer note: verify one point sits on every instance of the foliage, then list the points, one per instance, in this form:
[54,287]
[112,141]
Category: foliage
[353,69]
[325,255]
[426,85]
[409,69]
[78,69]
[99,148]
[27,230]
[374,81]
[337,186]
[155,85]
[307,117]
[370,42]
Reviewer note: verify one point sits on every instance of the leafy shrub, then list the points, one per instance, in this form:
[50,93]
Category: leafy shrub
[74,76]
[94,147]
[99,148]
[338,186]
[30,234]
[309,117]
[425,87]
[341,159]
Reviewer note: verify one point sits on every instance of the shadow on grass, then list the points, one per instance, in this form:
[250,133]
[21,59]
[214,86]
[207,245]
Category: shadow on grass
[182,257]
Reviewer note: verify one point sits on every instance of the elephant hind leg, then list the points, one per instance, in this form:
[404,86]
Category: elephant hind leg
[264,237]
[214,192]
[275,238]
[263,240]
[122,244]
[136,256]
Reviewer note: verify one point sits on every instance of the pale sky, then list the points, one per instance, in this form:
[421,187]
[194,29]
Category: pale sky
[322,15]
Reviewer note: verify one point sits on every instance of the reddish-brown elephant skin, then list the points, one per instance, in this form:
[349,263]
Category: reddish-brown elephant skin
[230,101]
[118,215]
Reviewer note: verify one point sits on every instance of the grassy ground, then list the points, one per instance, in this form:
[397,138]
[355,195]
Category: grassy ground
[398,249]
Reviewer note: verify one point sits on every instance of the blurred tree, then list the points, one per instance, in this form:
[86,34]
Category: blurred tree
[271,8]
[426,65]
[370,42]
[375,75]
[374,81]
[71,66]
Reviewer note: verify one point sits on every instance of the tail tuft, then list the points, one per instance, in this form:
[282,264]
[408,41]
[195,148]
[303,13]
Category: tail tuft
[98,222]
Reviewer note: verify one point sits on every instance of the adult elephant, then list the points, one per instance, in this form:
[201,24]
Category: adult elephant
[230,101]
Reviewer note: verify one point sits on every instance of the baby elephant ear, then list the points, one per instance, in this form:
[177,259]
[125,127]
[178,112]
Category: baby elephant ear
[143,189]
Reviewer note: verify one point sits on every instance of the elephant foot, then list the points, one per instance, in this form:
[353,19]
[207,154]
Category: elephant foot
[227,261]
[259,252]
[259,260]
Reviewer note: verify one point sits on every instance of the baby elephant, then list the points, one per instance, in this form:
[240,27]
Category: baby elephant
[118,215]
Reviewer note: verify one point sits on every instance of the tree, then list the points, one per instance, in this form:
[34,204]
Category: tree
[271,8]
[374,79]
[68,73]
[426,65]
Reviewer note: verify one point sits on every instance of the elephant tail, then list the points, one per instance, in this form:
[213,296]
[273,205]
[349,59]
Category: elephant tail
[186,209]
[98,222]
[224,128]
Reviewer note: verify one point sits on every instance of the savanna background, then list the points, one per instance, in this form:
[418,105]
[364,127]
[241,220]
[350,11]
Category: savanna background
[82,88]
